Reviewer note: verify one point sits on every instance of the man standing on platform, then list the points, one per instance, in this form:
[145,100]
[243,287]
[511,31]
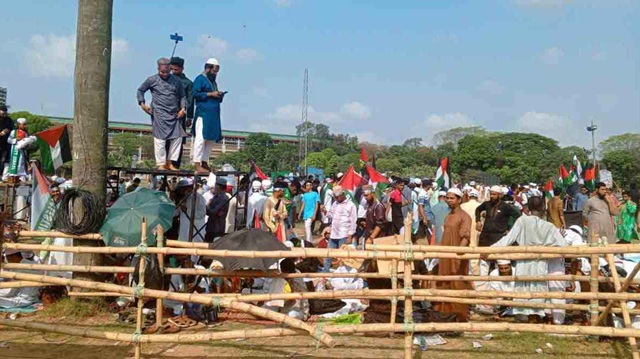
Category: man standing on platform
[169,105]
[206,126]
[6,126]
[177,68]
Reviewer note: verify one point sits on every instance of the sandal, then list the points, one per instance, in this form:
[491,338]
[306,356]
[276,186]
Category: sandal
[182,322]
[168,328]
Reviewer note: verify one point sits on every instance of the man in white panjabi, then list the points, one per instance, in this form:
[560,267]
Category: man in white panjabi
[254,206]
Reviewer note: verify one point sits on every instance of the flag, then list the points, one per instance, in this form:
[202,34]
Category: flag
[565,177]
[576,171]
[378,181]
[350,182]
[363,155]
[443,177]
[256,172]
[55,148]
[373,161]
[548,189]
[590,177]
[42,206]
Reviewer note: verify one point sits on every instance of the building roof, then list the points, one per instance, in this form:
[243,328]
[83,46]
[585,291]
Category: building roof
[142,127]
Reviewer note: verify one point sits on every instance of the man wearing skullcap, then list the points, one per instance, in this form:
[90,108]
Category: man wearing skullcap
[177,69]
[504,269]
[496,218]
[19,140]
[440,212]
[217,210]
[255,204]
[183,194]
[457,231]
[470,208]
[274,212]
[169,105]
[206,127]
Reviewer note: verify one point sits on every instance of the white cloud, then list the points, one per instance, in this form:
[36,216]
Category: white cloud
[561,128]
[542,3]
[552,56]
[283,3]
[54,56]
[435,123]
[491,87]
[356,110]
[248,55]
[211,46]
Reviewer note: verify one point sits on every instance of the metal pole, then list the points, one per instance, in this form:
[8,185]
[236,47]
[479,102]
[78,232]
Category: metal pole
[593,142]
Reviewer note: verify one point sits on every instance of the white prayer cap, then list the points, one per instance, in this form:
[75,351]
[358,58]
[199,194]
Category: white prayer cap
[21,120]
[533,184]
[187,182]
[60,180]
[434,185]
[466,188]
[328,180]
[496,189]
[505,190]
[255,185]
[576,229]
[289,244]
[417,181]
[474,193]
[526,186]
[503,262]
[266,184]
[442,194]
[472,183]
[340,174]
[54,178]
[455,191]
[337,190]
[213,61]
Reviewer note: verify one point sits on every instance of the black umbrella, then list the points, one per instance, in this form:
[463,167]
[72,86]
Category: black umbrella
[248,240]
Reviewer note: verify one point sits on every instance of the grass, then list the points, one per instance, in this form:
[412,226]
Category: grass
[73,308]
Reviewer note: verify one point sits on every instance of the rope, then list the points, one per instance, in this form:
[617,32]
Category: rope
[408,291]
[215,301]
[137,335]
[409,249]
[141,249]
[92,209]
[318,333]
[137,292]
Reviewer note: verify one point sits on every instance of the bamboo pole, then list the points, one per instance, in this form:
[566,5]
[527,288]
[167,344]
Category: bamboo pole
[408,288]
[57,234]
[21,284]
[140,289]
[595,271]
[95,294]
[623,304]
[293,253]
[580,250]
[159,301]
[624,287]
[181,297]
[276,274]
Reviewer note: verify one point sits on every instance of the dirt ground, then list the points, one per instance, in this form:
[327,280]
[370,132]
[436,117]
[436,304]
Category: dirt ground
[20,343]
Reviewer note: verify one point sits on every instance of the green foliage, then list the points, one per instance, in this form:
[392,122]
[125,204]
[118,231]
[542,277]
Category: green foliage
[77,309]
[454,135]
[624,142]
[624,166]
[126,146]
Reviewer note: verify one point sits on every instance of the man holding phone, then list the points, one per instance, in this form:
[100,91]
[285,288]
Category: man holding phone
[206,127]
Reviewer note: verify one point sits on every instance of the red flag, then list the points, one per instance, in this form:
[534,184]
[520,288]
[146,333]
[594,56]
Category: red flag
[257,171]
[375,176]
[280,234]
[351,181]
[363,155]
[564,176]
[256,220]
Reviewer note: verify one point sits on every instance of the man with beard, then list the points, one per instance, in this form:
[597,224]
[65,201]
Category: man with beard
[496,220]
[177,69]
[597,213]
[206,126]
[457,232]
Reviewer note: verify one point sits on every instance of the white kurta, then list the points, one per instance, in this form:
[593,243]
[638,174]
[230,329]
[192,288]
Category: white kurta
[256,202]
[230,226]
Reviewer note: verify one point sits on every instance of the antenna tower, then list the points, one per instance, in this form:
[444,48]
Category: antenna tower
[303,135]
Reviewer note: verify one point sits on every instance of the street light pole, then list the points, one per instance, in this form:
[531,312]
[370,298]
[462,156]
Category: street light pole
[593,129]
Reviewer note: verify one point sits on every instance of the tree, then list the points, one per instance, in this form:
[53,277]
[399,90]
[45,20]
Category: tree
[257,145]
[35,123]
[456,134]
[625,142]
[624,166]
[414,142]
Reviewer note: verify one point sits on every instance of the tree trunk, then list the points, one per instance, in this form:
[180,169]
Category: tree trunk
[91,106]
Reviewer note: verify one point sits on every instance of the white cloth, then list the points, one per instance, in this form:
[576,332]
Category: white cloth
[201,147]
[175,145]
[20,297]
[254,207]
[499,285]
[346,283]
[230,225]
[198,222]
[328,201]
[61,258]
[307,229]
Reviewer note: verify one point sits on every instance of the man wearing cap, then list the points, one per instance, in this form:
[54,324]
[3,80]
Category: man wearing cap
[469,208]
[274,212]
[426,216]
[19,140]
[597,214]
[457,231]
[504,269]
[496,218]
[254,206]
[183,194]
[375,219]
[343,216]
[19,297]
[440,212]
[169,105]
[206,127]
[6,126]
[217,210]
[177,69]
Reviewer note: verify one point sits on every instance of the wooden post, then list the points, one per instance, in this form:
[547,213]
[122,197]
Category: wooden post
[593,280]
[408,286]
[141,270]
[623,305]
[159,301]
[623,289]
[91,107]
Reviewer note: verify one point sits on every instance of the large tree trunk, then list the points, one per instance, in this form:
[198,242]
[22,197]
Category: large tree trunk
[91,105]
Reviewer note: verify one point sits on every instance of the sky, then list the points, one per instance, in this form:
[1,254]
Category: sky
[384,71]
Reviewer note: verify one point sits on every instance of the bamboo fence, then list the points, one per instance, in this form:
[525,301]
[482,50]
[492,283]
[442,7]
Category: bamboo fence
[400,253]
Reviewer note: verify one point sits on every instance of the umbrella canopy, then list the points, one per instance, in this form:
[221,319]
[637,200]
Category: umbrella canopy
[122,228]
[248,240]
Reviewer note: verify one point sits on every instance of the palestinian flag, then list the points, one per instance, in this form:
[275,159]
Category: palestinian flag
[590,177]
[564,177]
[377,180]
[443,177]
[55,148]
[576,171]
[548,189]
[256,173]
[363,155]
[351,182]
[42,206]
